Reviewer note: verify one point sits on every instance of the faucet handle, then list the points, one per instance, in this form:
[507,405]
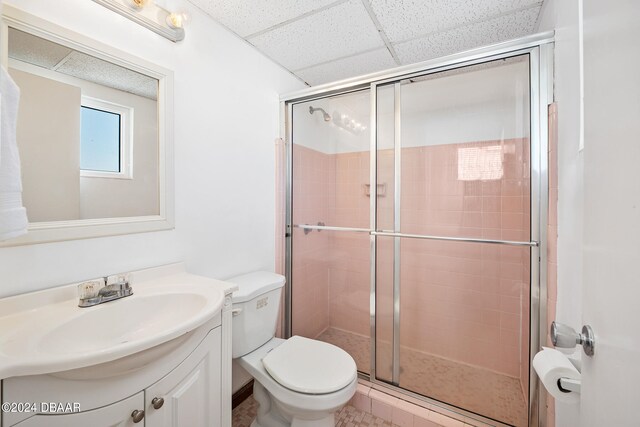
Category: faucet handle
[90,289]
[122,279]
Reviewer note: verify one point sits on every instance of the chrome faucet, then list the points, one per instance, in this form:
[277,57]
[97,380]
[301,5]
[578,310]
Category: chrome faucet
[107,289]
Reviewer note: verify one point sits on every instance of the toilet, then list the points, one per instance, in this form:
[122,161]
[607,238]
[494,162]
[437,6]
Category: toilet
[298,381]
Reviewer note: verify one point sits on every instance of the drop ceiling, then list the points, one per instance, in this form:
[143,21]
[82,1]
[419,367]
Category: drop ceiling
[34,50]
[326,40]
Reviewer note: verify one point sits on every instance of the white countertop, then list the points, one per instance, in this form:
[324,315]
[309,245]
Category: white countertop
[44,332]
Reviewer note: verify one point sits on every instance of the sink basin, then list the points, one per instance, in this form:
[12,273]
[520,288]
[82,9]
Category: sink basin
[121,322]
[46,332]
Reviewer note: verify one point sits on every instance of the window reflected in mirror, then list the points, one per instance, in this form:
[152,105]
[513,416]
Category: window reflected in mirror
[100,140]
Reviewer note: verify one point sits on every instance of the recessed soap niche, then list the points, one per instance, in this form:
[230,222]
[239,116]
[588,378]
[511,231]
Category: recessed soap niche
[381,190]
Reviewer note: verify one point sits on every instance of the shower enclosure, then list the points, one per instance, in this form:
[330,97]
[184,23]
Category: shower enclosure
[415,204]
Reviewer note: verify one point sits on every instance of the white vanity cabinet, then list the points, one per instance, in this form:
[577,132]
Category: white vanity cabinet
[188,395]
[115,415]
[158,358]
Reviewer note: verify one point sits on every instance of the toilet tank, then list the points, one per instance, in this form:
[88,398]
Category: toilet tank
[256,305]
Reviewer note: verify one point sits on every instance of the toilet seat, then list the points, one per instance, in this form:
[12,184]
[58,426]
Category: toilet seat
[310,366]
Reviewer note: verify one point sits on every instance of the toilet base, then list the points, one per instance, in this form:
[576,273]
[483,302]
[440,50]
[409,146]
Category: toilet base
[271,415]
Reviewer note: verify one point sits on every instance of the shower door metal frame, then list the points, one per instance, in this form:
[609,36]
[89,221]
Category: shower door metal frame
[539,49]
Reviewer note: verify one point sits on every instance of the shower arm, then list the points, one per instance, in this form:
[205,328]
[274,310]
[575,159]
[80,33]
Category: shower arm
[326,116]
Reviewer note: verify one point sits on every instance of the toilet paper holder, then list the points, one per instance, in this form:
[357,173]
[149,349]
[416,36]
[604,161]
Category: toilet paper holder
[568,385]
[564,336]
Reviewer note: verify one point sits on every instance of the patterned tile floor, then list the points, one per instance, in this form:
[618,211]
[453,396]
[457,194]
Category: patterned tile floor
[475,389]
[244,413]
[348,416]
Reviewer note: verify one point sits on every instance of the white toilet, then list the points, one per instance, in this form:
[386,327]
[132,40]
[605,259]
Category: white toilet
[299,381]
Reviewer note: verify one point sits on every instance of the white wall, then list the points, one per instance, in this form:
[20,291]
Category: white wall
[483,104]
[312,131]
[50,151]
[562,15]
[226,119]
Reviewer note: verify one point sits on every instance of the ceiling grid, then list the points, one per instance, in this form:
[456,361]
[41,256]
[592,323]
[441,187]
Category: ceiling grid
[323,40]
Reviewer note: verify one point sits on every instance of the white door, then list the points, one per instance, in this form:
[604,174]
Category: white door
[611,291]
[190,394]
[119,414]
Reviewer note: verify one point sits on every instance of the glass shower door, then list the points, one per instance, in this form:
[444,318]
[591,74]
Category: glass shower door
[453,257]
[330,205]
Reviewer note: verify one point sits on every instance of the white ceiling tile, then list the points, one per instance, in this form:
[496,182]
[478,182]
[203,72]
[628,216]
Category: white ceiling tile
[246,18]
[35,50]
[407,19]
[339,31]
[495,30]
[518,4]
[44,53]
[355,65]
[108,74]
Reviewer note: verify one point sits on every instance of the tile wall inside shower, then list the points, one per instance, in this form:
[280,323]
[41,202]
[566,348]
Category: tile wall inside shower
[465,306]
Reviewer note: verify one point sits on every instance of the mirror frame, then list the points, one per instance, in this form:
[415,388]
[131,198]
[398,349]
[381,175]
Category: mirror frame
[53,231]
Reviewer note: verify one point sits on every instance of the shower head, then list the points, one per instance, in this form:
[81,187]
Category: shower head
[325,115]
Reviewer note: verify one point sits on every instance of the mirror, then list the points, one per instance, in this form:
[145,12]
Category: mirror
[91,133]
[87,133]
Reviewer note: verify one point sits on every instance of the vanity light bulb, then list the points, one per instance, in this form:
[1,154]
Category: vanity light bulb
[177,19]
[140,4]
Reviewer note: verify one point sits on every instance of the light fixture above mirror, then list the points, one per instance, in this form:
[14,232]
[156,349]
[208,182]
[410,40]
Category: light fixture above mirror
[149,14]
[139,4]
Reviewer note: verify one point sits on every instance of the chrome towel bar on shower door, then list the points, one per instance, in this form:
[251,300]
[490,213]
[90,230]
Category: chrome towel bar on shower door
[417,236]
[452,239]
[330,228]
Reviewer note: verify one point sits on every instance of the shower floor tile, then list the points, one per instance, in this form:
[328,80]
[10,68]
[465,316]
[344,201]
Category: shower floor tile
[348,416]
[358,346]
[475,389]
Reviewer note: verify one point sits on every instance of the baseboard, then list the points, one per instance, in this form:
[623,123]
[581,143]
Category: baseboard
[242,394]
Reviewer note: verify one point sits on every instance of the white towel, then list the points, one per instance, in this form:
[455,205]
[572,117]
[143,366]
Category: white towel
[13,216]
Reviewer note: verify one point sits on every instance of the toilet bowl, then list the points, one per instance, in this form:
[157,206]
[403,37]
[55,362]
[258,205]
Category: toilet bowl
[299,381]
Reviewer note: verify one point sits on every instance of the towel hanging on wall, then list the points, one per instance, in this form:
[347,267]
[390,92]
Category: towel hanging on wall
[13,216]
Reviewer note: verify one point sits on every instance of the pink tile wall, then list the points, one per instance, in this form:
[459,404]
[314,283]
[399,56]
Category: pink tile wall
[552,238]
[350,282]
[453,290]
[313,201]
[351,208]
[280,172]
[350,267]
[280,177]
[403,413]
[450,290]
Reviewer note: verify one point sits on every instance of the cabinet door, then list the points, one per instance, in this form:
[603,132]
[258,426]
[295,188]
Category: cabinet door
[190,394]
[118,414]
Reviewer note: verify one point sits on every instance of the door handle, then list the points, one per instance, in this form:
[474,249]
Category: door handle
[564,336]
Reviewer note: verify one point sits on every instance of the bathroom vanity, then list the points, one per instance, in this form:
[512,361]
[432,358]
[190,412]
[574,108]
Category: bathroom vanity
[161,357]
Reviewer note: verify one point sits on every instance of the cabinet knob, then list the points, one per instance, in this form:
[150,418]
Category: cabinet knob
[137,415]
[157,402]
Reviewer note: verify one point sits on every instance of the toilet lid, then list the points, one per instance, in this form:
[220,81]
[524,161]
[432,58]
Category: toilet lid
[309,366]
